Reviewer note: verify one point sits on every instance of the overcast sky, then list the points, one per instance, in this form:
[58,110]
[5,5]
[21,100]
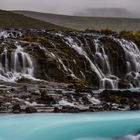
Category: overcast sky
[68,6]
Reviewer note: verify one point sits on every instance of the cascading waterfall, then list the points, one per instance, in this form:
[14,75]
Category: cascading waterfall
[80,51]
[132,55]
[15,64]
[101,65]
[107,80]
[99,58]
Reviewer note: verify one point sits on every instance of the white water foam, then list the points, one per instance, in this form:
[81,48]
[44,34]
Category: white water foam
[15,64]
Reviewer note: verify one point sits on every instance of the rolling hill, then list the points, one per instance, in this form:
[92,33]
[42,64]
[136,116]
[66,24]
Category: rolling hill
[82,23]
[107,12]
[13,20]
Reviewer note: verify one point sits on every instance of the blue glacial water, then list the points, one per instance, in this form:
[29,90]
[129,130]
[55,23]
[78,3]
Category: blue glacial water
[94,126]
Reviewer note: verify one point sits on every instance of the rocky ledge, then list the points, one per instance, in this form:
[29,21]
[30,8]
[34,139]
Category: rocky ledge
[40,96]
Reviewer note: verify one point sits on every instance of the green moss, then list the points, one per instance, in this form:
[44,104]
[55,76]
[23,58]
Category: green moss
[30,39]
[115,99]
[107,31]
[46,98]
[135,36]
[80,84]
[44,42]
[110,96]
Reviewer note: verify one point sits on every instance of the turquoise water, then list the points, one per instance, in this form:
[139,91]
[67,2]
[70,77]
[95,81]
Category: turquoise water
[69,126]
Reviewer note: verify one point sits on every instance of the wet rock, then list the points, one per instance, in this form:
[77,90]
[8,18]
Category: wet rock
[30,110]
[56,110]
[124,101]
[127,99]
[69,109]
[107,106]
[86,100]
[12,89]
[46,99]
[16,108]
[135,106]
[123,84]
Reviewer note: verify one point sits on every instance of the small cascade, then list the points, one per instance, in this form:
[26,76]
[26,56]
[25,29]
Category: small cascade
[80,51]
[107,80]
[10,34]
[101,57]
[132,56]
[4,34]
[15,64]
[67,70]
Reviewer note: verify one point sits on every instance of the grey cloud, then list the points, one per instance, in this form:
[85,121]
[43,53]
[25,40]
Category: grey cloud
[68,6]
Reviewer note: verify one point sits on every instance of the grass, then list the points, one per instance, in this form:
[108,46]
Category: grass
[82,23]
[14,20]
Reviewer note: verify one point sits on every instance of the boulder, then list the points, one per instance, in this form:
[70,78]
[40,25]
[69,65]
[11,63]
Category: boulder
[31,110]
[16,108]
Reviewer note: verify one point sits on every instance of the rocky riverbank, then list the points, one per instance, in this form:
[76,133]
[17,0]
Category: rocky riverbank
[43,96]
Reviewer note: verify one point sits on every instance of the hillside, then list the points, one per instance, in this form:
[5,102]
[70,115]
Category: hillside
[107,12]
[14,20]
[81,23]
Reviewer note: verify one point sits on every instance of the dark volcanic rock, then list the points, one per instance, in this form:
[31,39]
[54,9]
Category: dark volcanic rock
[69,109]
[30,110]
[122,97]
[46,99]
[16,108]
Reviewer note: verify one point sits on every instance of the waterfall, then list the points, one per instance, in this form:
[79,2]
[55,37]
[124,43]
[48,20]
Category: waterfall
[99,58]
[15,64]
[96,49]
[132,56]
[80,51]
[107,80]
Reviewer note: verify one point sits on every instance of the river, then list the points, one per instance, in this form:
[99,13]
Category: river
[92,126]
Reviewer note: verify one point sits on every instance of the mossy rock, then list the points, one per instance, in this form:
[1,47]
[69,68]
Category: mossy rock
[46,99]
[31,110]
[31,39]
[24,80]
[134,36]
[123,84]
[107,31]
[45,42]
[79,85]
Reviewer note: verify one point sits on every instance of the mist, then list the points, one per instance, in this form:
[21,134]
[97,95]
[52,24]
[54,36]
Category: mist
[68,7]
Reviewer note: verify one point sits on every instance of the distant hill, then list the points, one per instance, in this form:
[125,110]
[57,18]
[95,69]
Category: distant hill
[81,23]
[14,20]
[106,12]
